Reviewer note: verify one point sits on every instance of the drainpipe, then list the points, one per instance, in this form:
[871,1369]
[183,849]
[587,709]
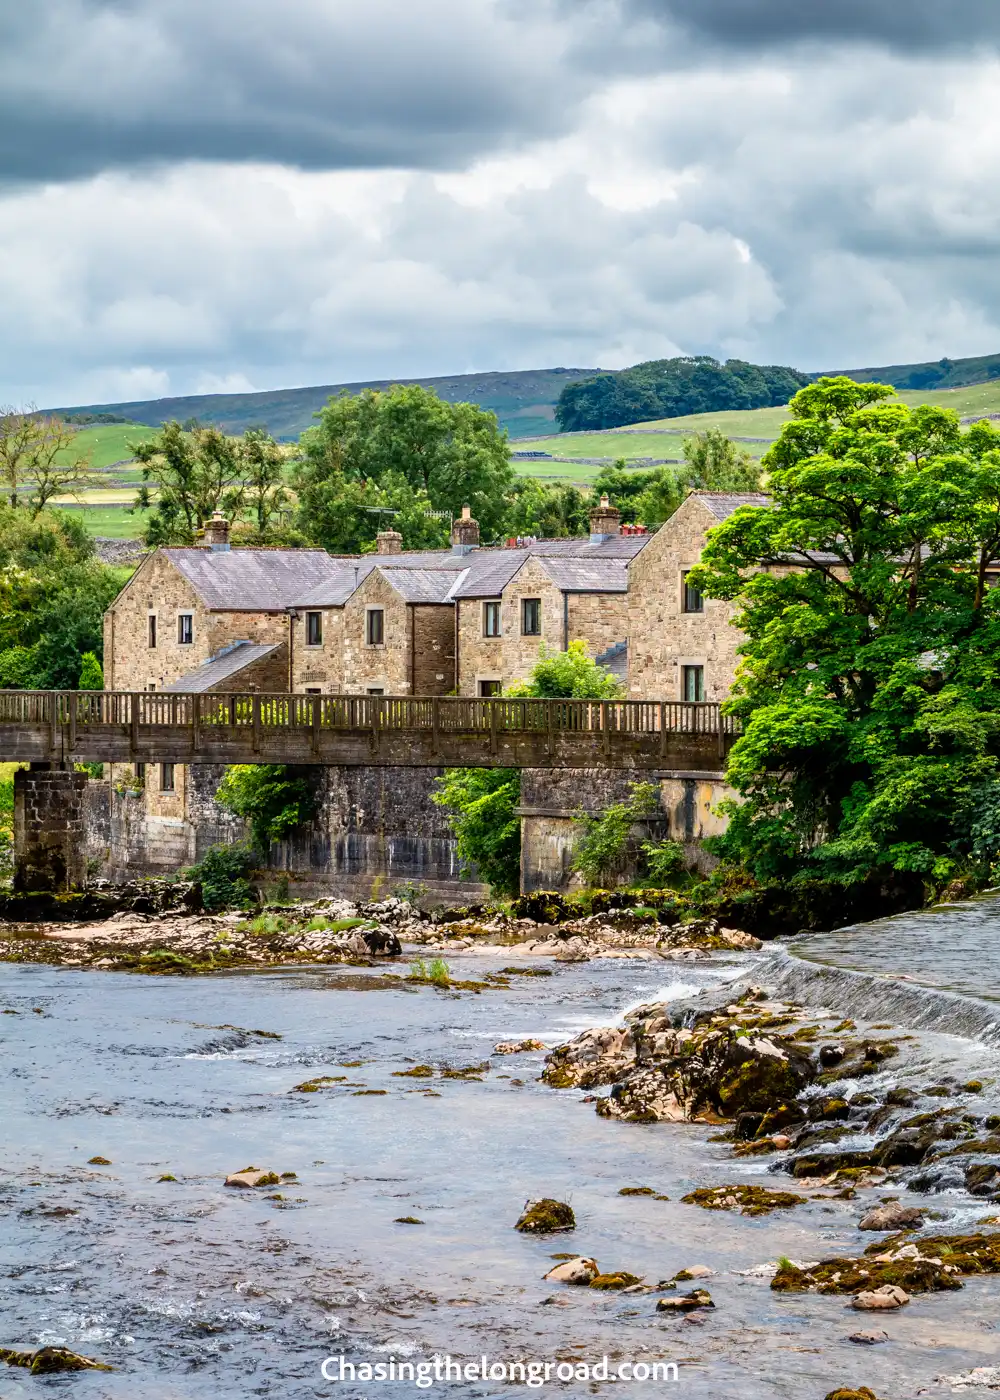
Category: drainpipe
[565,646]
[457,674]
[413,649]
[292,615]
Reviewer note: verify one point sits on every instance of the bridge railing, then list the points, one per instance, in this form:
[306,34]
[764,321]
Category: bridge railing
[442,714]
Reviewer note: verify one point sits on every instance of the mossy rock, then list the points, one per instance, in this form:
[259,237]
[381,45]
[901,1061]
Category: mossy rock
[546,1217]
[48,1361]
[862,1394]
[610,1283]
[636,1191]
[417,1072]
[748,1200]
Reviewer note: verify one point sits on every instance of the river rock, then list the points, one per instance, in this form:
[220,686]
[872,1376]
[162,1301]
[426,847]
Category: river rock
[868,1339]
[578,1270]
[988,1376]
[517,1047]
[250,1177]
[693,1271]
[546,1217]
[686,1302]
[885,1299]
[892,1216]
[862,1393]
[48,1361]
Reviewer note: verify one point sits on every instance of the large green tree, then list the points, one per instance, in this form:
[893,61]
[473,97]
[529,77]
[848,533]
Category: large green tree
[406,443]
[869,686]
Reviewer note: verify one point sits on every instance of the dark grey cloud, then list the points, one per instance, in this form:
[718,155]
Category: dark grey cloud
[902,25]
[87,85]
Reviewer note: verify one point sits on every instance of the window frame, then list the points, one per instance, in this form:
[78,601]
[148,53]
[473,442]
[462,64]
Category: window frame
[370,615]
[314,628]
[165,770]
[182,618]
[694,670]
[492,614]
[489,681]
[151,629]
[692,601]
[536,605]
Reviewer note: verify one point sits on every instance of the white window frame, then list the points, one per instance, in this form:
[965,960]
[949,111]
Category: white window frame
[489,605]
[183,641]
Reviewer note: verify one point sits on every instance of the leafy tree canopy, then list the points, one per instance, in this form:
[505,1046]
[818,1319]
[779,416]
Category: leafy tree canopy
[870,681]
[712,462]
[672,388]
[403,445]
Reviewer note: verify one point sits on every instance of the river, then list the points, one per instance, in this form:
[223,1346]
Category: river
[197,1292]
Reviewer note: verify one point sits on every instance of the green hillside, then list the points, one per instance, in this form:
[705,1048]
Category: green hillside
[931,374]
[523,400]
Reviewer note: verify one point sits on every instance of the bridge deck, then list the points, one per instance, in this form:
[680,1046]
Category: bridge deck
[359,730]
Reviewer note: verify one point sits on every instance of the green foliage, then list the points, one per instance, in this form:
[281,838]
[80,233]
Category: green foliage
[664,862]
[482,802]
[224,875]
[606,846]
[568,674]
[274,798]
[672,388]
[53,593]
[406,450]
[481,805]
[436,971]
[712,462]
[870,681]
[546,511]
[91,674]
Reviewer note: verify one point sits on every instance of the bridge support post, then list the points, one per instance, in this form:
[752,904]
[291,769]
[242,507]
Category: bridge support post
[49,828]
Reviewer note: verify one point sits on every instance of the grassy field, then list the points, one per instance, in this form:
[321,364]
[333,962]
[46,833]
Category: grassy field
[108,443]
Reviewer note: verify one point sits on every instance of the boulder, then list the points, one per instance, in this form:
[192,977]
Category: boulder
[250,1177]
[517,1047]
[891,1216]
[686,1302]
[885,1299]
[545,1217]
[868,1339]
[578,1271]
[48,1361]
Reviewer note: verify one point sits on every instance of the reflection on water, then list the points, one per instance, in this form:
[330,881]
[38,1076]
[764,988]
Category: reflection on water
[196,1292]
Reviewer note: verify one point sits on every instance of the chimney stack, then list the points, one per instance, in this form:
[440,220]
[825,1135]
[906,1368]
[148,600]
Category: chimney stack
[464,533]
[389,542]
[605,521]
[217,532]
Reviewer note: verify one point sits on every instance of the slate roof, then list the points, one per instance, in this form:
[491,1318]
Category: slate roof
[587,575]
[722,504]
[225,664]
[335,589]
[423,585]
[252,580]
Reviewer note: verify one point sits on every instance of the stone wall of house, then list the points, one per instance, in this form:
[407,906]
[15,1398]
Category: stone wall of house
[520,652]
[599,619]
[385,667]
[320,666]
[433,643]
[662,638]
[268,676]
[479,657]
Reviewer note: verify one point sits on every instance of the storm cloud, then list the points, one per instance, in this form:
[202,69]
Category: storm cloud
[213,194]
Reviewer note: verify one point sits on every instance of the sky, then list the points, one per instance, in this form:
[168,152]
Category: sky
[202,196]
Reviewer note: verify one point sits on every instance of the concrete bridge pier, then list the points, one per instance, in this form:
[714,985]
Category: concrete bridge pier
[49,828]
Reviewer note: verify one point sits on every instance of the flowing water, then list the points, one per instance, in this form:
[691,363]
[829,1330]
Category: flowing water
[197,1292]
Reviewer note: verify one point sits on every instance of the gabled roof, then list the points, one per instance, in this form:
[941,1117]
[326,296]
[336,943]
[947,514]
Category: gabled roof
[335,589]
[224,665]
[252,580]
[422,585]
[722,504]
[587,575]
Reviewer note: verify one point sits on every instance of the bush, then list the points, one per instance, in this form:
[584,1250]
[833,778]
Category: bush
[606,847]
[272,797]
[224,875]
[482,803]
[664,861]
[91,674]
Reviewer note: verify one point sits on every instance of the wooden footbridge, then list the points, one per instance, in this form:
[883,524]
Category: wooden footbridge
[112,726]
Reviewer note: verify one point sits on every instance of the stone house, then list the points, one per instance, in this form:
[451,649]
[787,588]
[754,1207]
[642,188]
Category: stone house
[681,646]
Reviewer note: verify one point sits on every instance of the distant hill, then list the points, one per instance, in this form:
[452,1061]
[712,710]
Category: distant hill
[523,400]
[932,374]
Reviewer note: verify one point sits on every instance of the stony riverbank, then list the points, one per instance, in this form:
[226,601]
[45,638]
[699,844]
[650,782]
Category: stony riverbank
[153,935]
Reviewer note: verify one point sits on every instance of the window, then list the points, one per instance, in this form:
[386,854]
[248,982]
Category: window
[152,629]
[140,773]
[491,619]
[151,686]
[488,688]
[185,629]
[313,690]
[314,629]
[375,627]
[693,683]
[375,690]
[692,601]
[531,617]
[166,777]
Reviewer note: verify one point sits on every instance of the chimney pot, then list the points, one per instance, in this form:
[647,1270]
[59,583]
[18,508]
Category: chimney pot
[389,542]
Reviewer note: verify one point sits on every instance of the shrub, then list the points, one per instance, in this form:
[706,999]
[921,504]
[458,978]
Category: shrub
[606,847]
[664,861]
[91,674]
[272,797]
[224,875]
[435,971]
